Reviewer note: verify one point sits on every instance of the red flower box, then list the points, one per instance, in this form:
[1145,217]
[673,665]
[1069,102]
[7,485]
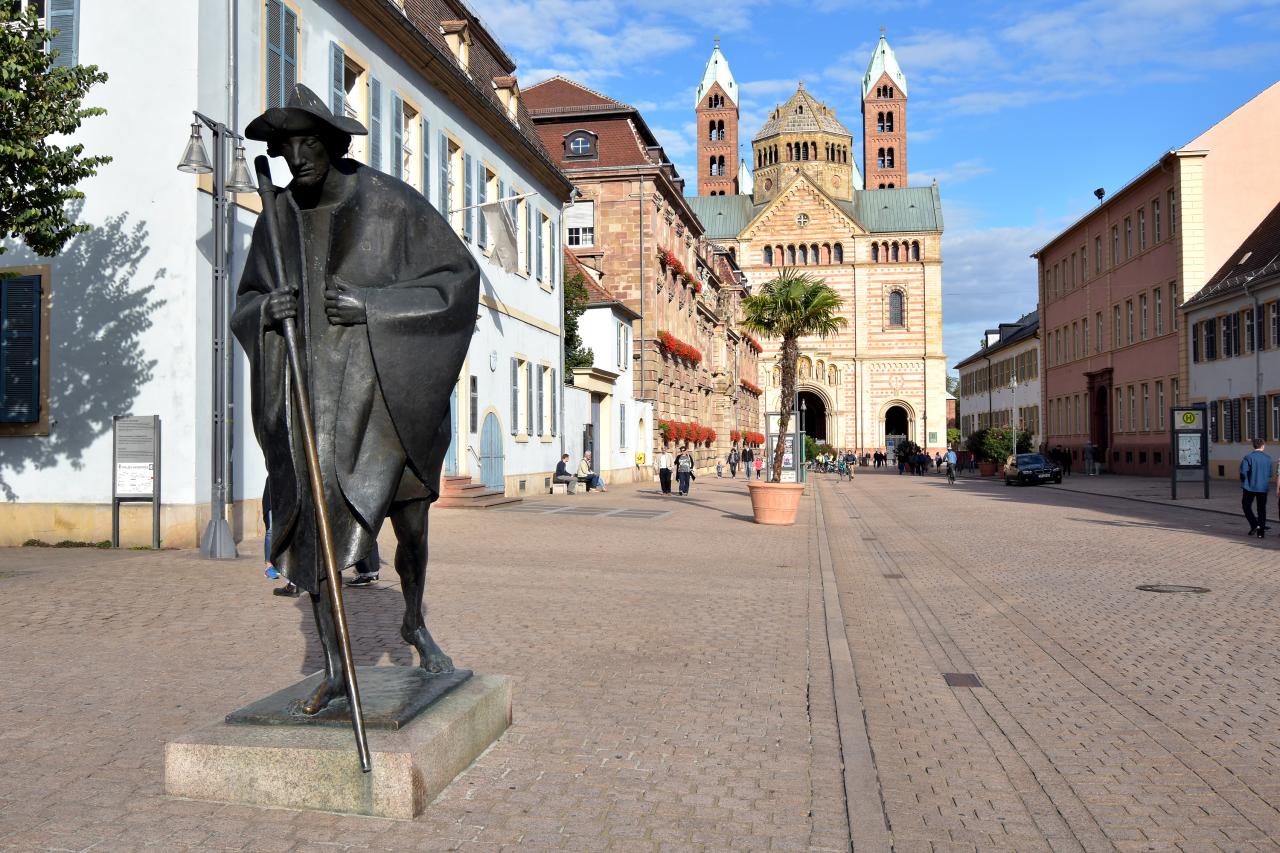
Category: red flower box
[752,387]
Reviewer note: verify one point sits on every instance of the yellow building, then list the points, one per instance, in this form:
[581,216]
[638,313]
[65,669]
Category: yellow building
[883,378]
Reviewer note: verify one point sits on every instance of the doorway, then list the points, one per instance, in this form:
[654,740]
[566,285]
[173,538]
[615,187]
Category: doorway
[813,415]
[491,474]
[897,423]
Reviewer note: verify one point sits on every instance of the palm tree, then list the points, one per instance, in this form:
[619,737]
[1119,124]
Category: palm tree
[792,306]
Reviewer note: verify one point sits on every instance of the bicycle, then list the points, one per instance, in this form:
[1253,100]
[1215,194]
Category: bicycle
[951,473]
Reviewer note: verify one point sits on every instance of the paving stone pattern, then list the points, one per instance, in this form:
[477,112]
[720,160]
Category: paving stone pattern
[1108,718]
[661,690]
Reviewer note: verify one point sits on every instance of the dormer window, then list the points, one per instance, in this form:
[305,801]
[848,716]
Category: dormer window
[457,35]
[509,94]
[580,145]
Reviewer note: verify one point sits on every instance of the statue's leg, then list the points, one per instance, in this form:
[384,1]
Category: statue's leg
[331,686]
[409,519]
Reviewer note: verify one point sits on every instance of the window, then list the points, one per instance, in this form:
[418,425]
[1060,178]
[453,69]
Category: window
[1172,201]
[516,396]
[1115,327]
[528,399]
[468,199]
[1249,426]
[1142,307]
[473,405]
[580,220]
[1128,311]
[1155,220]
[1213,421]
[1158,294]
[915,250]
[880,158]
[1097,254]
[1119,410]
[893,250]
[1075,340]
[457,35]
[451,190]
[542,259]
[1084,336]
[1173,304]
[1146,406]
[63,18]
[349,96]
[1195,343]
[1275,417]
[897,313]
[404,142]
[1128,237]
[1133,404]
[21,393]
[875,251]
[282,45]
[1275,327]
[1210,339]
[767,255]
[1173,387]
[1142,229]
[1249,336]
[1097,326]
[1115,245]
[1160,405]
[889,159]
[524,225]
[623,345]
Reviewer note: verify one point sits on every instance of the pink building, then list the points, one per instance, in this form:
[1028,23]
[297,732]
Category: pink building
[1112,284]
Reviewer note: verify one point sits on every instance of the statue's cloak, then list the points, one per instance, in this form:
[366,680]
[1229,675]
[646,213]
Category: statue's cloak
[386,398]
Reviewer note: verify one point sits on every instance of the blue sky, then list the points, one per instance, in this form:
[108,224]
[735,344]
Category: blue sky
[1019,109]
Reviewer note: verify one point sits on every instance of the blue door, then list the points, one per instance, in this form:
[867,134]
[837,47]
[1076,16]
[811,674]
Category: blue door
[491,454]
[451,458]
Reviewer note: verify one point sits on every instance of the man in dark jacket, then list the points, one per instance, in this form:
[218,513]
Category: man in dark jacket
[384,295]
[1255,481]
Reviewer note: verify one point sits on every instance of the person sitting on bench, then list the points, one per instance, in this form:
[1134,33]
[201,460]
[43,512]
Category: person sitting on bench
[587,474]
[562,475]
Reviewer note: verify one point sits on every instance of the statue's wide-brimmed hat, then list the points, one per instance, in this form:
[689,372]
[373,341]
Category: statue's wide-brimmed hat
[302,113]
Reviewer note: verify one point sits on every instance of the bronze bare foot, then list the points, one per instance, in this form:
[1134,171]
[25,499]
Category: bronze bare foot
[432,657]
[330,688]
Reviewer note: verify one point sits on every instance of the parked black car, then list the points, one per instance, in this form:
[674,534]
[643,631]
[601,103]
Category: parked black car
[1031,468]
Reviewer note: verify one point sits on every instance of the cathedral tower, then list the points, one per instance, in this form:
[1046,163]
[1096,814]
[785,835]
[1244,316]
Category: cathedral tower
[717,122]
[884,120]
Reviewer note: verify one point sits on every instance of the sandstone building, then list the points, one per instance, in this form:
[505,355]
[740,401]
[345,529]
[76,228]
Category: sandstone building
[805,205]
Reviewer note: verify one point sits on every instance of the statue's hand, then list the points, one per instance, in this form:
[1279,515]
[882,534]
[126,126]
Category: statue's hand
[344,304]
[281,306]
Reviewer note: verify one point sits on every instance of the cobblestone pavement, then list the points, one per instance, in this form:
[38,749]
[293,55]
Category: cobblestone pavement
[1108,718]
[661,696]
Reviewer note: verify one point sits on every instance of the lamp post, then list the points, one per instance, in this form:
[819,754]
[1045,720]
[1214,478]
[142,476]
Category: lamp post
[217,543]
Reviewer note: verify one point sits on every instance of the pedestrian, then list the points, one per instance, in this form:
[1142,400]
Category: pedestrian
[748,460]
[684,469]
[290,589]
[733,463]
[562,475]
[664,470]
[902,464]
[937,460]
[759,463]
[367,568]
[587,474]
[1255,479]
[719,469]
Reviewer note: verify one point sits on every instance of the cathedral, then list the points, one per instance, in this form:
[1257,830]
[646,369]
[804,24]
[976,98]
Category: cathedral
[801,201]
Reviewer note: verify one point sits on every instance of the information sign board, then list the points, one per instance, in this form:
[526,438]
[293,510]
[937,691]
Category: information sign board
[135,469]
[1190,447]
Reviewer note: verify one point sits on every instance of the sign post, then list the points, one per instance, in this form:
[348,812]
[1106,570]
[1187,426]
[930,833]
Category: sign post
[792,449]
[1190,450]
[135,470]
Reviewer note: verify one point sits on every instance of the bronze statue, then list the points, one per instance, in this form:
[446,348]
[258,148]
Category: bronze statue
[377,302]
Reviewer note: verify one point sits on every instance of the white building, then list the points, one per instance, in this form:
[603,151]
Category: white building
[615,426]
[1000,383]
[1233,330]
[125,310]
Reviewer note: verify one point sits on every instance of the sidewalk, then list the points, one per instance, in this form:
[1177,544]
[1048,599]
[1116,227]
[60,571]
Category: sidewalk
[1224,495]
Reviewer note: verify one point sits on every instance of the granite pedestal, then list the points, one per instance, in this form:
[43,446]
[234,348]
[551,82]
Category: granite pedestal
[264,756]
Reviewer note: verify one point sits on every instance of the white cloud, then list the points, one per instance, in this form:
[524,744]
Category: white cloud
[956,173]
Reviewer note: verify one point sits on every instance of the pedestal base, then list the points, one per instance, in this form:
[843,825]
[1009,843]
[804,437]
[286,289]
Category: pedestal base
[315,766]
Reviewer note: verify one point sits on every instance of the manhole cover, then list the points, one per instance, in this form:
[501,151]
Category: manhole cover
[894,577]
[1171,587]
[961,679]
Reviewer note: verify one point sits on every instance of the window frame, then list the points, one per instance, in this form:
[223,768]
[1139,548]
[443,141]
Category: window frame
[40,426]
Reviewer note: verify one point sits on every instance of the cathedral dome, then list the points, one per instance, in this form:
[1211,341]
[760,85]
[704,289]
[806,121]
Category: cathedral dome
[802,114]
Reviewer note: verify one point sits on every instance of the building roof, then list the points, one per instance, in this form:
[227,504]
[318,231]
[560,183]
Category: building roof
[883,61]
[746,184]
[1023,328]
[802,114]
[559,93]
[878,211]
[1258,257]
[717,72]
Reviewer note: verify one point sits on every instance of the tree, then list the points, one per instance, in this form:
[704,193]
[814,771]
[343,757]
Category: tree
[40,103]
[792,306]
[953,437]
[953,385]
[575,302]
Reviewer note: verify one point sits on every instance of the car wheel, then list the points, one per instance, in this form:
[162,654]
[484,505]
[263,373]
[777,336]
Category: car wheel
[1007,482]
[1058,479]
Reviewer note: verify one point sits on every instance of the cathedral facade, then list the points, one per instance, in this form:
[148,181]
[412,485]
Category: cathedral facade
[800,201]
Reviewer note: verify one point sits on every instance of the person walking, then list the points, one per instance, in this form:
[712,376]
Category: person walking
[664,470]
[733,463]
[684,469]
[748,460]
[759,463]
[1255,480]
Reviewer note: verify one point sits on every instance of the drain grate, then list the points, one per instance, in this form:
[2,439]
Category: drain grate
[961,679]
[869,538]
[894,577]
[1172,587]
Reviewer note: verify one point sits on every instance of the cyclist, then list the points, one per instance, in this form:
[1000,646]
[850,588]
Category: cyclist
[950,460]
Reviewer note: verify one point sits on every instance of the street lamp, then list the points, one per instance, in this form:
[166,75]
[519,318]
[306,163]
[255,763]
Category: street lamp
[217,543]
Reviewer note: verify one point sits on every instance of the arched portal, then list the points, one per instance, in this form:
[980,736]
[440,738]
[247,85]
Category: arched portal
[897,423]
[814,415]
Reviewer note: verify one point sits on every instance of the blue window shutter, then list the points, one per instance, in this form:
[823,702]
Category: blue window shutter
[553,258]
[290,49]
[337,79]
[528,237]
[528,393]
[396,117]
[515,211]
[375,124]
[426,161]
[541,376]
[444,174]
[515,395]
[467,197]
[502,189]
[554,410]
[275,53]
[482,191]
[20,350]
[622,425]
[537,216]
[64,17]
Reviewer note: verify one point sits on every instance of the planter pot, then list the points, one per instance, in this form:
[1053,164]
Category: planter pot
[775,503]
[987,469]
